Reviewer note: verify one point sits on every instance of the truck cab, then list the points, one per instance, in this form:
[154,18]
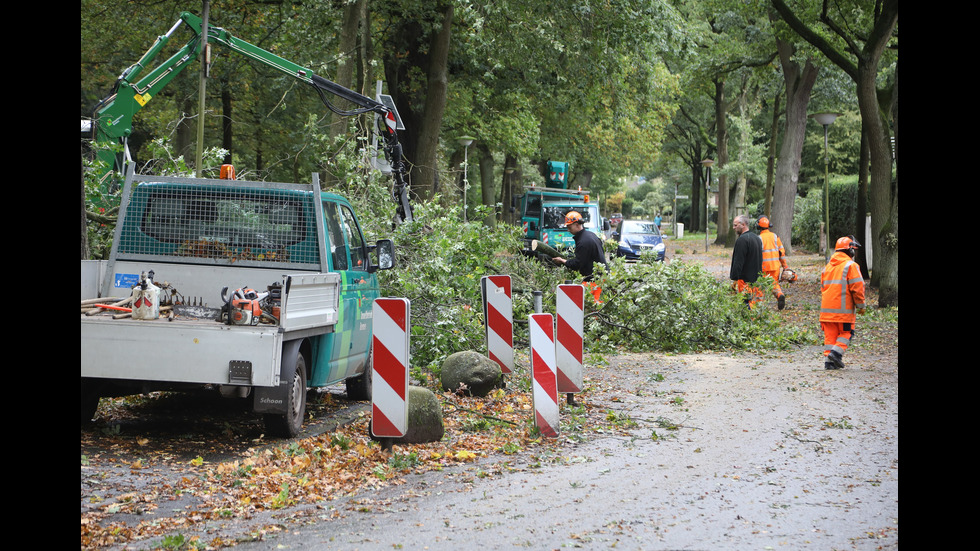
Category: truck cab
[544,219]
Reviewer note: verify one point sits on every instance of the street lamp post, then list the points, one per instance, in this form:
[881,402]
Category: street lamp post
[707,190]
[465,141]
[825,120]
[506,196]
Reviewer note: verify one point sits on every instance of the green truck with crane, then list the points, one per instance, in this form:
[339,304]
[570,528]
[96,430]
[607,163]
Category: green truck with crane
[304,273]
[543,208]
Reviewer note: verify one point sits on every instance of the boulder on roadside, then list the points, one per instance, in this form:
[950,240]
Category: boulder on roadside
[425,422]
[470,372]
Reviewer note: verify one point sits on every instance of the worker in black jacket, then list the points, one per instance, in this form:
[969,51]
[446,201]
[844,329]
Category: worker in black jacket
[588,247]
[746,260]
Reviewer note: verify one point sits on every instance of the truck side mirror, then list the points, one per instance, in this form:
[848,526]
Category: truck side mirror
[385,249]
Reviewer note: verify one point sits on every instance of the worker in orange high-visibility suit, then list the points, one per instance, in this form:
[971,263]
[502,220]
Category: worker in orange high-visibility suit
[773,258]
[842,296]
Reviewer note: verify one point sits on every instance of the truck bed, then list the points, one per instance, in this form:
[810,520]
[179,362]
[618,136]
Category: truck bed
[183,350]
[204,351]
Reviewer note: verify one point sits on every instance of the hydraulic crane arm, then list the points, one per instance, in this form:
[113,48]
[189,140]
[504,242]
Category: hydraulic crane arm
[114,114]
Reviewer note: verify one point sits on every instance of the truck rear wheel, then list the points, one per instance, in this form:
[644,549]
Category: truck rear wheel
[359,388]
[289,424]
[90,400]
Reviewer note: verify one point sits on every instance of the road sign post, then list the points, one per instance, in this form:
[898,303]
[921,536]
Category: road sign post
[390,362]
[543,374]
[498,311]
[569,304]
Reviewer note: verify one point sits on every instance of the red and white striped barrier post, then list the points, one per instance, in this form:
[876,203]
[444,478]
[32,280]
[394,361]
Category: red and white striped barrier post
[390,359]
[570,304]
[498,311]
[544,379]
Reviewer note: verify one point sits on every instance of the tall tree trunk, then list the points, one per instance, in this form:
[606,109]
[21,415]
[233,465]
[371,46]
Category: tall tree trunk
[737,203]
[346,61]
[507,192]
[721,125]
[346,72]
[185,135]
[799,83]
[861,214]
[366,67]
[883,192]
[697,188]
[771,161]
[489,191]
[435,105]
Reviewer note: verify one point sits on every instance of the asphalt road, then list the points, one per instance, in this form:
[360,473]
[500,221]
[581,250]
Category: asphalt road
[770,453]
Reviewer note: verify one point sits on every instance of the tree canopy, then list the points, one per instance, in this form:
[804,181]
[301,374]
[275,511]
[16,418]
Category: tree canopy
[617,88]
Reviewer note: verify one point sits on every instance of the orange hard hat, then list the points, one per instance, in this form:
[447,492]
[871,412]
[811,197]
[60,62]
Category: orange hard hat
[846,243]
[763,222]
[572,217]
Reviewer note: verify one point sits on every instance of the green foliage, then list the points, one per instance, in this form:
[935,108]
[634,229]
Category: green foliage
[440,260]
[807,218]
[164,161]
[178,542]
[809,213]
[403,461]
[677,307]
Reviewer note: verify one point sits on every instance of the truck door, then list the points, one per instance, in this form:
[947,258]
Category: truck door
[347,350]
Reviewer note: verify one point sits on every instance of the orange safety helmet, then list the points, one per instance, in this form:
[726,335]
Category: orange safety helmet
[763,222]
[847,243]
[572,217]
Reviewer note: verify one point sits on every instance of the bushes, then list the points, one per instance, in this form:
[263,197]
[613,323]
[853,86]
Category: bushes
[809,213]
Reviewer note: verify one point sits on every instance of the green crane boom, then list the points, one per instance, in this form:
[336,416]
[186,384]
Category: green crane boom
[114,114]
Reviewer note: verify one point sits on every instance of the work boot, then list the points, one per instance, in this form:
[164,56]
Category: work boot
[834,361]
[781,301]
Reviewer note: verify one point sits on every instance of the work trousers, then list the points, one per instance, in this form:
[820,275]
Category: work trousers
[752,293]
[836,336]
[774,274]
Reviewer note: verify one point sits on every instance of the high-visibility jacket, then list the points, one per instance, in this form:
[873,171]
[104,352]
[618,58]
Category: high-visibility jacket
[773,254]
[843,289]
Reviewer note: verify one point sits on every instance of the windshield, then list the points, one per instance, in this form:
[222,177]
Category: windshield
[632,228]
[640,232]
[553,217]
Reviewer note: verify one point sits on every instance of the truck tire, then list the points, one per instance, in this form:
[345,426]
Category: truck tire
[90,400]
[289,424]
[359,388]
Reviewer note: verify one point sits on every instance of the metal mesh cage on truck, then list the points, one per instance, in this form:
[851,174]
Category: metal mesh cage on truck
[221,222]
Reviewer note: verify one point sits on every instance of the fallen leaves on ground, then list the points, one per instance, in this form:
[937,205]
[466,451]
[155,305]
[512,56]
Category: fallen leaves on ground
[335,464]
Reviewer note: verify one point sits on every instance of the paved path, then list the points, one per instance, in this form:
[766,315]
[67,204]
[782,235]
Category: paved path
[773,453]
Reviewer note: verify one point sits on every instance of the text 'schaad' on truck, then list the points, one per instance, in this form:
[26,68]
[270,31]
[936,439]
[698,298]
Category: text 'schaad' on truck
[257,289]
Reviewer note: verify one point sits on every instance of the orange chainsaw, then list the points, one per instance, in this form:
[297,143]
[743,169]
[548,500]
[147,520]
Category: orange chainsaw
[242,307]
